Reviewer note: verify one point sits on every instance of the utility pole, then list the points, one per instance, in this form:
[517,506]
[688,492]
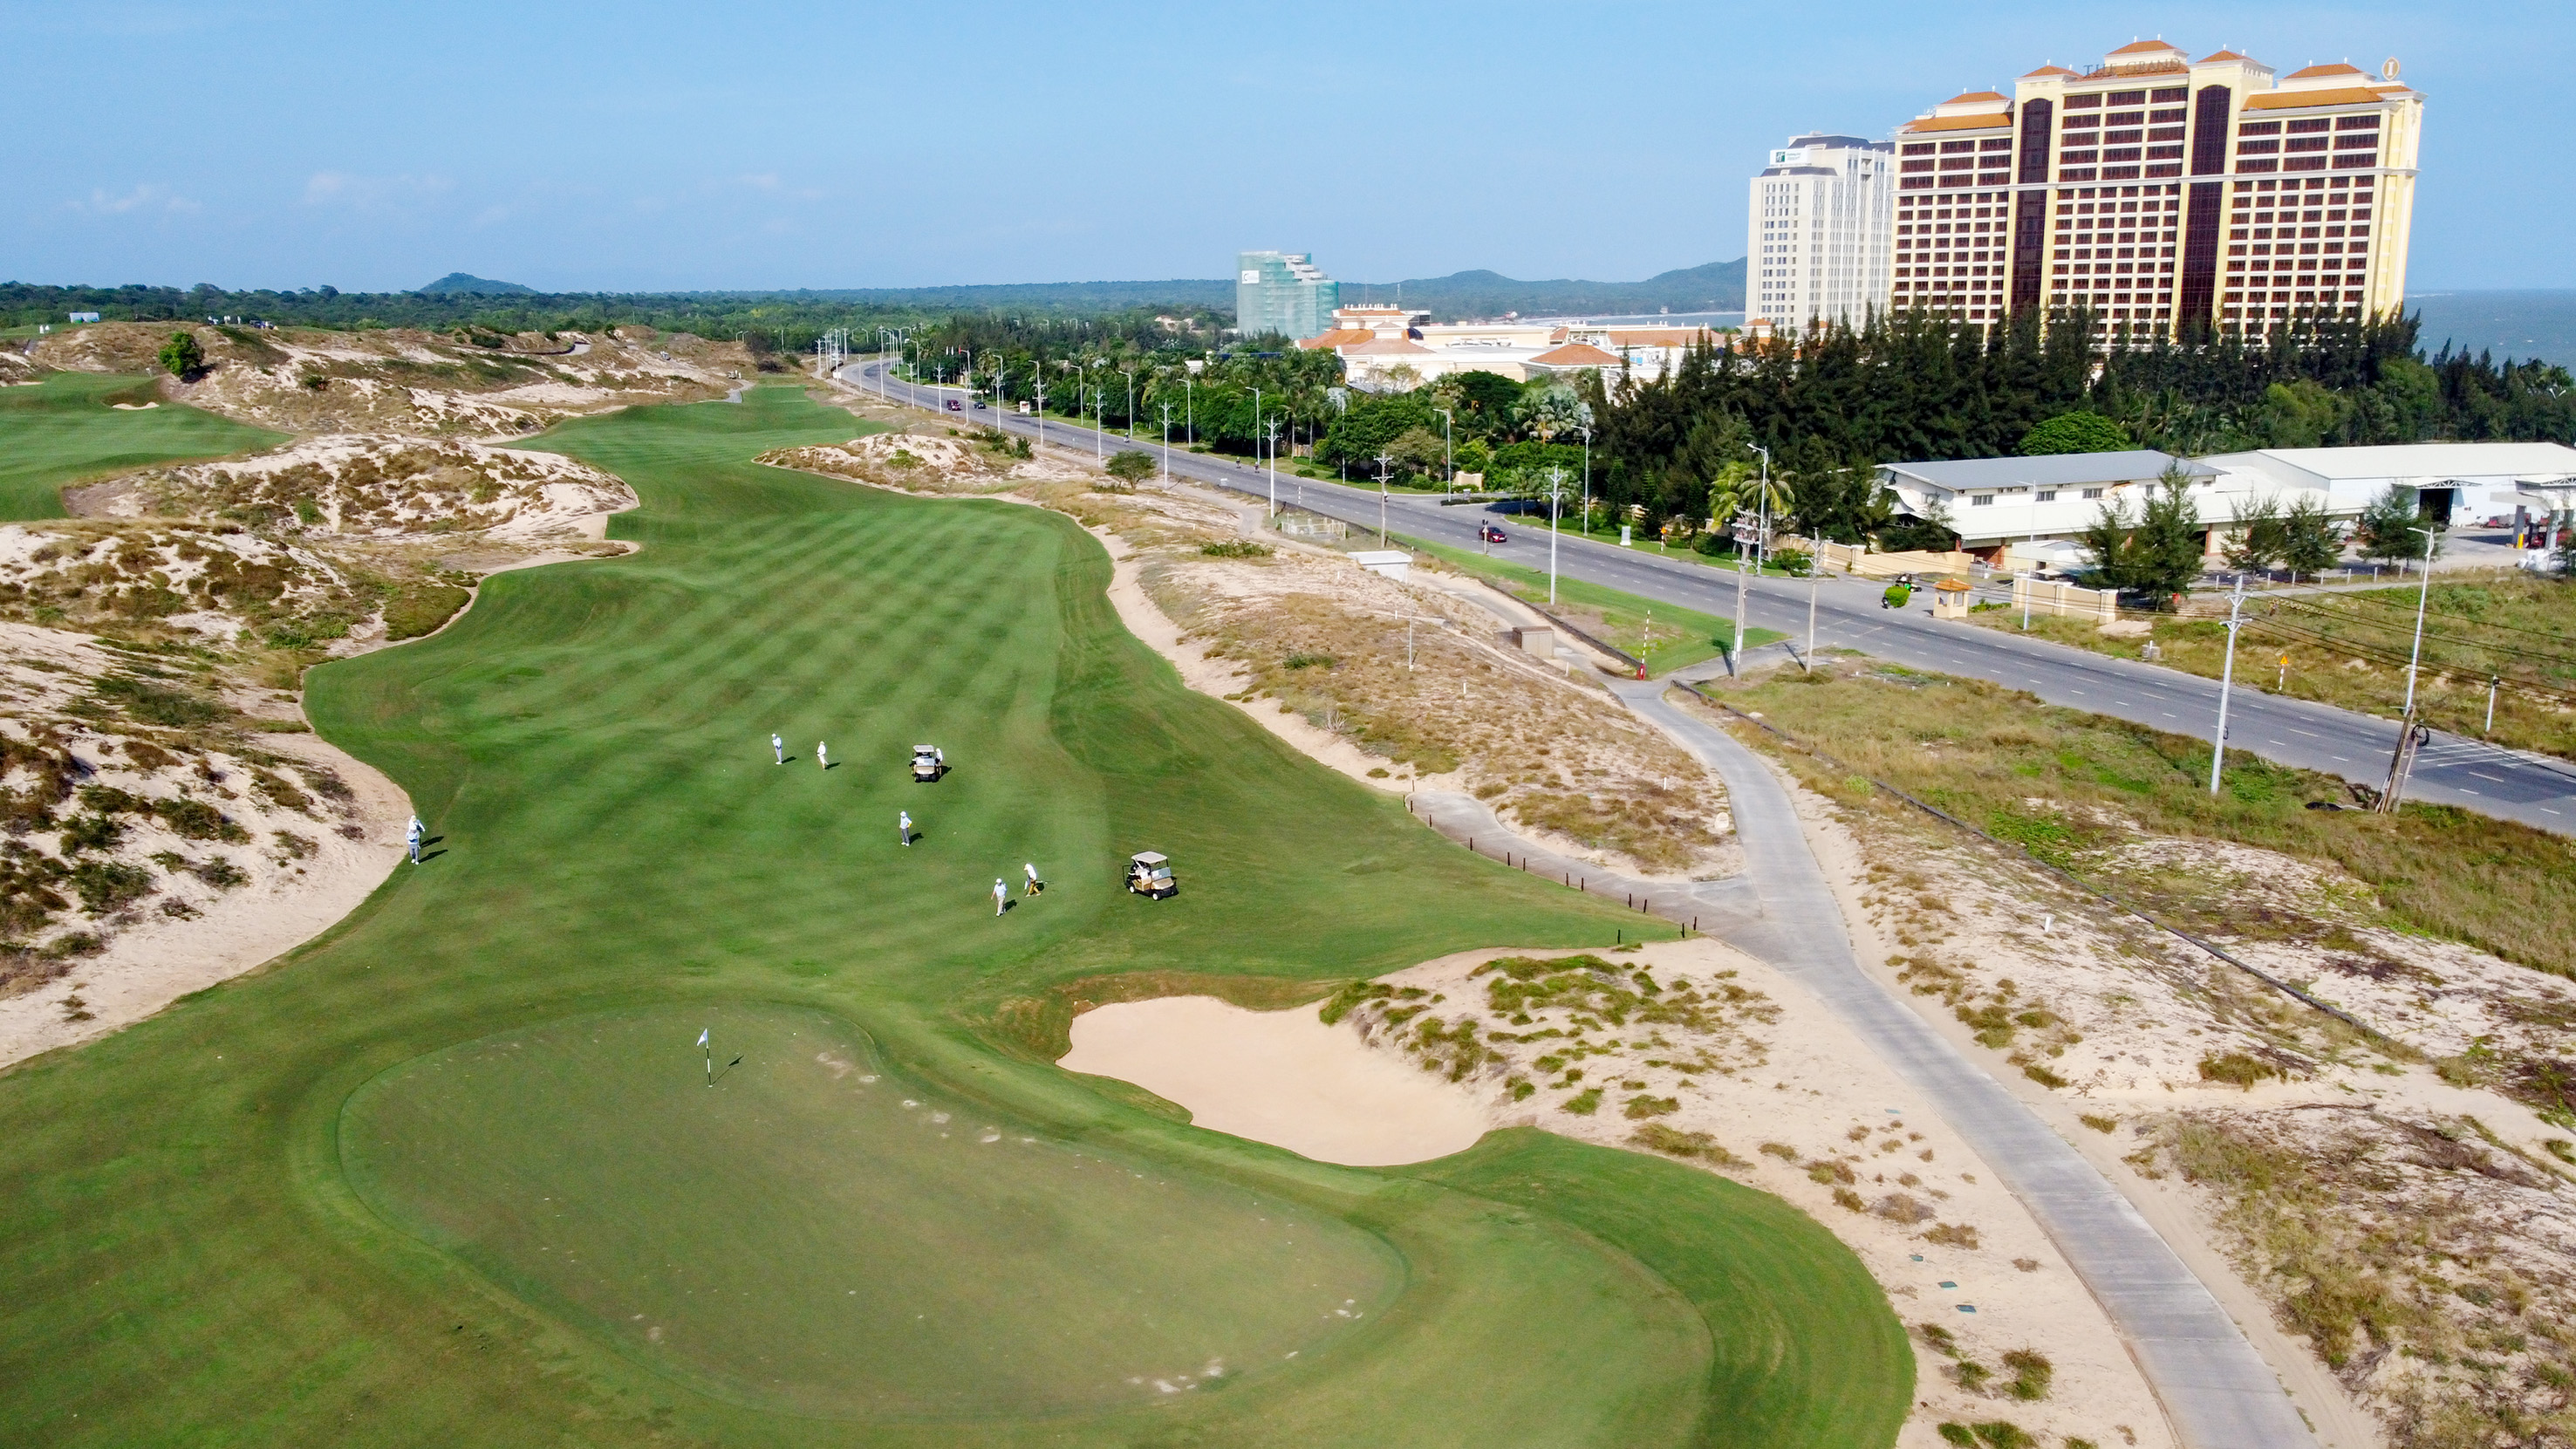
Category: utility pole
[1586,430]
[1763,499]
[1274,467]
[1747,529]
[1382,461]
[2489,727]
[2226,677]
[2401,761]
[1448,455]
[1167,443]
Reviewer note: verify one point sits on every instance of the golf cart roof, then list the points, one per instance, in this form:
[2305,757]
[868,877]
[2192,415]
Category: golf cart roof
[1150,857]
[925,749]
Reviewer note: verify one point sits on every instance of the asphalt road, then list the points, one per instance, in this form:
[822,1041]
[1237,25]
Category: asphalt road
[2532,789]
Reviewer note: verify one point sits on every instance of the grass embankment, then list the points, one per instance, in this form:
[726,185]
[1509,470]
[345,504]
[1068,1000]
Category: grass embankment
[2350,650]
[1666,636]
[2060,781]
[418,1184]
[67,429]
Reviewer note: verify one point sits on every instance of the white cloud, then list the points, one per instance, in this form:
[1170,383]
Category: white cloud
[146,198]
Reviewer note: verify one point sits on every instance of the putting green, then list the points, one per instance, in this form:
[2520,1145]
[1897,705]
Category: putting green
[68,428]
[297,1208]
[820,1234]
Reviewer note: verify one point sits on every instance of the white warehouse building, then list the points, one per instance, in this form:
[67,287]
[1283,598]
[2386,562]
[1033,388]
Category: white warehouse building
[2037,506]
[1817,235]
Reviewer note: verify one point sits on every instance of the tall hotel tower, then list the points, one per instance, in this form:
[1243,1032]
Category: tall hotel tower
[2161,191]
[1817,232]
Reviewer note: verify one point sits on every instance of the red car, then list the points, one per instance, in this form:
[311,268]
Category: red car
[1491,534]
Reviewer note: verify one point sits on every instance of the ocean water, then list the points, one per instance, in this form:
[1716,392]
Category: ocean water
[2508,324]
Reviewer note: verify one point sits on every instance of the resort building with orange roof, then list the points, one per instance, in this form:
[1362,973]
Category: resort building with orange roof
[2161,192]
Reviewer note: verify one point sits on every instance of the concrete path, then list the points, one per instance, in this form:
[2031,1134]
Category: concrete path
[2217,1388]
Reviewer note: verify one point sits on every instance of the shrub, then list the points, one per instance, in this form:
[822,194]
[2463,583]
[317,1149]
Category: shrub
[197,820]
[1821,1172]
[183,355]
[1971,1375]
[1953,1433]
[106,885]
[1585,1102]
[1997,1434]
[1950,1236]
[1796,562]
[91,832]
[1235,548]
[1847,1199]
[422,610]
[2031,1374]
[1941,1339]
[2076,432]
[153,704]
[1781,1150]
[1656,1137]
[2236,1069]
[1899,1207]
[1131,466]
[2044,1076]
[1642,1106]
[2099,1123]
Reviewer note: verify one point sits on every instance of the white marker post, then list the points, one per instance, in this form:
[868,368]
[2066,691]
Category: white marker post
[711,1055]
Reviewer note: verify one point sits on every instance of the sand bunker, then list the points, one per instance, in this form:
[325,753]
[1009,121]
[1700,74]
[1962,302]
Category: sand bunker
[1281,1077]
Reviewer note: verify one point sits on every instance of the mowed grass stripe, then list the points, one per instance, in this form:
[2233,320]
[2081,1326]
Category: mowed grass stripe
[187,1260]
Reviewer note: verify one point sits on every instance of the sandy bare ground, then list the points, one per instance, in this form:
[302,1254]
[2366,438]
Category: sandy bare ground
[159,958]
[1281,1077]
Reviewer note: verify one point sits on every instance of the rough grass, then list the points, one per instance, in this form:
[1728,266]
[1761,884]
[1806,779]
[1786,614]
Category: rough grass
[2350,649]
[590,742]
[63,431]
[2055,779]
[1666,636]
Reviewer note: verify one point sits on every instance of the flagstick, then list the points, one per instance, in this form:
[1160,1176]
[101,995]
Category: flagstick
[711,1065]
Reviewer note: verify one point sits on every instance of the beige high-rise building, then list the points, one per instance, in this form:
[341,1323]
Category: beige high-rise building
[2161,191]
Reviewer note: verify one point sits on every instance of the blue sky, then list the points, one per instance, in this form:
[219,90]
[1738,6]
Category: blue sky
[647,146]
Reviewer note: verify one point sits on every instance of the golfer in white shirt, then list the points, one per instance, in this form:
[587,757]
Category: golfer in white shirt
[903,826]
[1001,896]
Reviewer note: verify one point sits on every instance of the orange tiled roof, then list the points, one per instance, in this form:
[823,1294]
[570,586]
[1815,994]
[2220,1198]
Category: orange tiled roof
[2216,56]
[1576,354]
[2292,100]
[1964,97]
[1960,123]
[2331,68]
[2048,70]
[1338,337]
[2143,47]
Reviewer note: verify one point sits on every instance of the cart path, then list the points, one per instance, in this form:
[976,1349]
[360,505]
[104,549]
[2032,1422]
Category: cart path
[2217,1389]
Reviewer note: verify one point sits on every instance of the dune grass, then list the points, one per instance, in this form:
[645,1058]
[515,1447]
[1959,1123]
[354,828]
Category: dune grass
[297,1208]
[66,429]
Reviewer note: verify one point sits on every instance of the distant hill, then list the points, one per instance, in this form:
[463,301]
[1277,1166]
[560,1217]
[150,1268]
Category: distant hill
[468,283]
[1716,287]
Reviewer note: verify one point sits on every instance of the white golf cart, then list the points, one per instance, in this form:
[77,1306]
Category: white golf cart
[928,764]
[1149,873]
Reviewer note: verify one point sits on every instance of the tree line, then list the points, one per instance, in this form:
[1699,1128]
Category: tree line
[1836,402]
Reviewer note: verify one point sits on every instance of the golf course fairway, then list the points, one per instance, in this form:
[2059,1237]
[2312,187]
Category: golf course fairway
[68,427]
[454,1173]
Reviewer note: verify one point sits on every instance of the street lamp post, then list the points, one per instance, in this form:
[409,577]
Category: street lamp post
[1746,530]
[1555,505]
[1167,443]
[1382,461]
[2226,679]
[1274,467]
[1448,454]
[1762,500]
